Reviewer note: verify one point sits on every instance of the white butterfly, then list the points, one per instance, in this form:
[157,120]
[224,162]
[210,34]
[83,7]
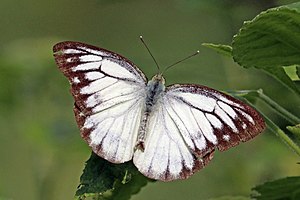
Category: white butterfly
[169,132]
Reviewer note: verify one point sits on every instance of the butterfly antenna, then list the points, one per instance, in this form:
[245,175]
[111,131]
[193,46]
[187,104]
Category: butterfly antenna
[141,38]
[194,54]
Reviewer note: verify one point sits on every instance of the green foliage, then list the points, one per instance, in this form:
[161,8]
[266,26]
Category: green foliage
[271,39]
[104,180]
[271,42]
[250,96]
[225,50]
[286,188]
[293,72]
[295,130]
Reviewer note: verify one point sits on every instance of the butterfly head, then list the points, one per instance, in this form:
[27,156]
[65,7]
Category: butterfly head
[156,85]
[158,78]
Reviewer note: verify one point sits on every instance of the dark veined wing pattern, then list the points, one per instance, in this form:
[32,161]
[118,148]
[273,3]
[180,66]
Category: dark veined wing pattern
[108,90]
[185,126]
[189,123]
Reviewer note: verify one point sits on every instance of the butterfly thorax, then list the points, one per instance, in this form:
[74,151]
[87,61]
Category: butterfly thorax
[155,89]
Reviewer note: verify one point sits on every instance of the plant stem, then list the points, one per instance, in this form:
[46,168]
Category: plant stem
[280,110]
[275,106]
[282,135]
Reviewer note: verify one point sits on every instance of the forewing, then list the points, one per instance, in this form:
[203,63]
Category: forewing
[208,119]
[166,156]
[109,93]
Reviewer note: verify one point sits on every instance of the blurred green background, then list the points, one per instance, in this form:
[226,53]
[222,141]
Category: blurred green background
[42,154]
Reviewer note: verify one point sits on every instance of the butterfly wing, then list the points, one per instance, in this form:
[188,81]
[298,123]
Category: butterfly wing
[190,122]
[109,93]
[222,120]
[166,155]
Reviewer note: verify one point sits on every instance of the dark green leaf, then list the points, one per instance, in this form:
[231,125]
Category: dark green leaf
[104,180]
[225,50]
[282,189]
[125,191]
[271,40]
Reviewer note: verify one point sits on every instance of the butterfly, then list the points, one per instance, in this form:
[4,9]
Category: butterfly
[169,132]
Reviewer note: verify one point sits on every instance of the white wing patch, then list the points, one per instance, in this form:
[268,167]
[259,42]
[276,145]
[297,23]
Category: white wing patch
[90,58]
[98,52]
[194,127]
[94,85]
[115,131]
[72,51]
[228,101]
[247,116]
[87,66]
[109,93]
[199,101]
[166,156]
[227,109]
[76,80]
[225,117]
[215,122]
[113,69]
[195,102]
[226,138]
[188,127]
[91,76]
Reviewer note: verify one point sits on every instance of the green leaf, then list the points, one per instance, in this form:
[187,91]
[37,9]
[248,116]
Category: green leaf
[292,72]
[104,180]
[286,188]
[125,191]
[225,50]
[295,130]
[271,40]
